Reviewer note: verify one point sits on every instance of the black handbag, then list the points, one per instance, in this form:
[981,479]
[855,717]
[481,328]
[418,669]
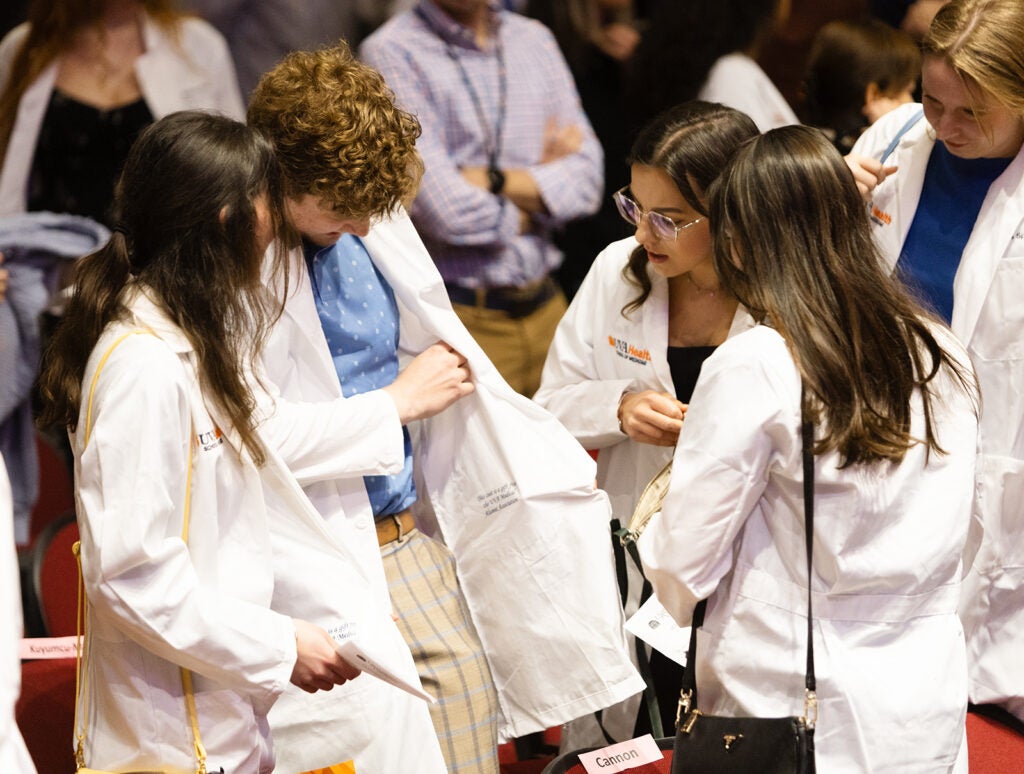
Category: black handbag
[712,744]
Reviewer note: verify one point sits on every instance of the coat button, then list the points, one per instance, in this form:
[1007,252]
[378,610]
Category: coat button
[362,522]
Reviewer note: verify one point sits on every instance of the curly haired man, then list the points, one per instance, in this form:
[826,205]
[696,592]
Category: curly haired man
[349,159]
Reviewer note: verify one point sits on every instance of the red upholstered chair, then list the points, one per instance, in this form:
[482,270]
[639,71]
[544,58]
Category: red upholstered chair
[55,576]
[569,763]
[45,713]
[56,491]
[995,741]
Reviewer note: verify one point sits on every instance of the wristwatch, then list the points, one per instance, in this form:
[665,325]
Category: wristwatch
[497,180]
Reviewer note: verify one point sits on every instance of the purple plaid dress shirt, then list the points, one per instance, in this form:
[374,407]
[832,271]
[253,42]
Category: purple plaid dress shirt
[473,235]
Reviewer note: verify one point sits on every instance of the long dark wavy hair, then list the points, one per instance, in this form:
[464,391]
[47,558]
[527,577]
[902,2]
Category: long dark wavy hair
[691,143]
[793,242]
[187,235]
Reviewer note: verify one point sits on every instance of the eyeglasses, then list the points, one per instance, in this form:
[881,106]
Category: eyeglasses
[662,225]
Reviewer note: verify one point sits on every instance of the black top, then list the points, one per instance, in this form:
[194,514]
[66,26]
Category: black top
[684,363]
[79,155]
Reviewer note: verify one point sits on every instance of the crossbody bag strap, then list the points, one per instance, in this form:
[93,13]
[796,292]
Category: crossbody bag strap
[81,618]
[810,682]
[688,693]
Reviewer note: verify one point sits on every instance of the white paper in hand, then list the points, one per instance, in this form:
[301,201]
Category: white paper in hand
[652,624]
[357,657]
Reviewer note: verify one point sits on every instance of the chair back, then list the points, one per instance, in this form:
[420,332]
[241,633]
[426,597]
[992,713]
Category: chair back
[45,713]
[56,491]
[569,763]
[995,740]
[55,576]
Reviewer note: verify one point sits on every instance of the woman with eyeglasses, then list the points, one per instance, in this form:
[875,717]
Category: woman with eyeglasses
[628,351]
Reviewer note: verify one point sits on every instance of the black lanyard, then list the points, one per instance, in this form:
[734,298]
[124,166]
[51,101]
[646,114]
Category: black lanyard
[493,140]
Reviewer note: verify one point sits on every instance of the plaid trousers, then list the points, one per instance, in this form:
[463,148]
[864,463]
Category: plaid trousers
[434,619]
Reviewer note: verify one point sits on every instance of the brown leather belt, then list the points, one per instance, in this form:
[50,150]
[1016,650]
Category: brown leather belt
[395,527]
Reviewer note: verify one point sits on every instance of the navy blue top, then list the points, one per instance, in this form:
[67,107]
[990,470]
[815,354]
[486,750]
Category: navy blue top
[359,318]
[954,190]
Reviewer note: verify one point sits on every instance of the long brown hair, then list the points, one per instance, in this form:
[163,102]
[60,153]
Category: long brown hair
[186,234]
[793,242]
[52,25]
[690,143]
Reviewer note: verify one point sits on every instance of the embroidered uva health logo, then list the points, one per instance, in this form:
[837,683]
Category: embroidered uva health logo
[626,350]
[880,217]
[211,439]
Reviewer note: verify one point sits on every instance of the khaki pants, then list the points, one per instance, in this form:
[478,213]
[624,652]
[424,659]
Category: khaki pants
[517,347]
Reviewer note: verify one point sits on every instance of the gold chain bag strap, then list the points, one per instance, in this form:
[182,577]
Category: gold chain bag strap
[82,620]
[648,505]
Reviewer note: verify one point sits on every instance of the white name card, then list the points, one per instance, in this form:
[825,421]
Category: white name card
[47,647]
[652,624]
[622,756]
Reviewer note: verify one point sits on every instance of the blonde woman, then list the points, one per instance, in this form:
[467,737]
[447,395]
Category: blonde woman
[948,214]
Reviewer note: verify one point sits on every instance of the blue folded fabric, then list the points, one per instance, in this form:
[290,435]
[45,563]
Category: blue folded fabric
[34,246]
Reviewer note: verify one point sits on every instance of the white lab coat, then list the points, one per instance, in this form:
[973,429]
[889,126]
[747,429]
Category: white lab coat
[596,355]
[255,543]
[593,360]
[188,70]
[738,81]
[509,490]
[13,755]
[988,316]
[888,539]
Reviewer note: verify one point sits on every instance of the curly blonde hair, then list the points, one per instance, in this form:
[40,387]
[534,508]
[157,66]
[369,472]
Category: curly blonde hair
[338,133]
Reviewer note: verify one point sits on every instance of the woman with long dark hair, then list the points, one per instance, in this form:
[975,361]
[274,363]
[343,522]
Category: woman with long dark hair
[150,370]
[894,407]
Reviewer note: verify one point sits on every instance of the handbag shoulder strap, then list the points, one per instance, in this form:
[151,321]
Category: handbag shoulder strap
[807,438]
[82,635]
[688,693]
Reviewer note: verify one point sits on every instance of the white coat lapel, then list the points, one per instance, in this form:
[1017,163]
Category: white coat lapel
[1001,214]
[424,308]
[22,144]
[166,76]
[908,181]
[300,307]
[655,327]
[893,204]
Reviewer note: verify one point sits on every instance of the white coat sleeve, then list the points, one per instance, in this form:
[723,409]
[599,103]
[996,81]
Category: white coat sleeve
[137,569]
[13,755]
[741,418]
[342,438]
[571,387]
